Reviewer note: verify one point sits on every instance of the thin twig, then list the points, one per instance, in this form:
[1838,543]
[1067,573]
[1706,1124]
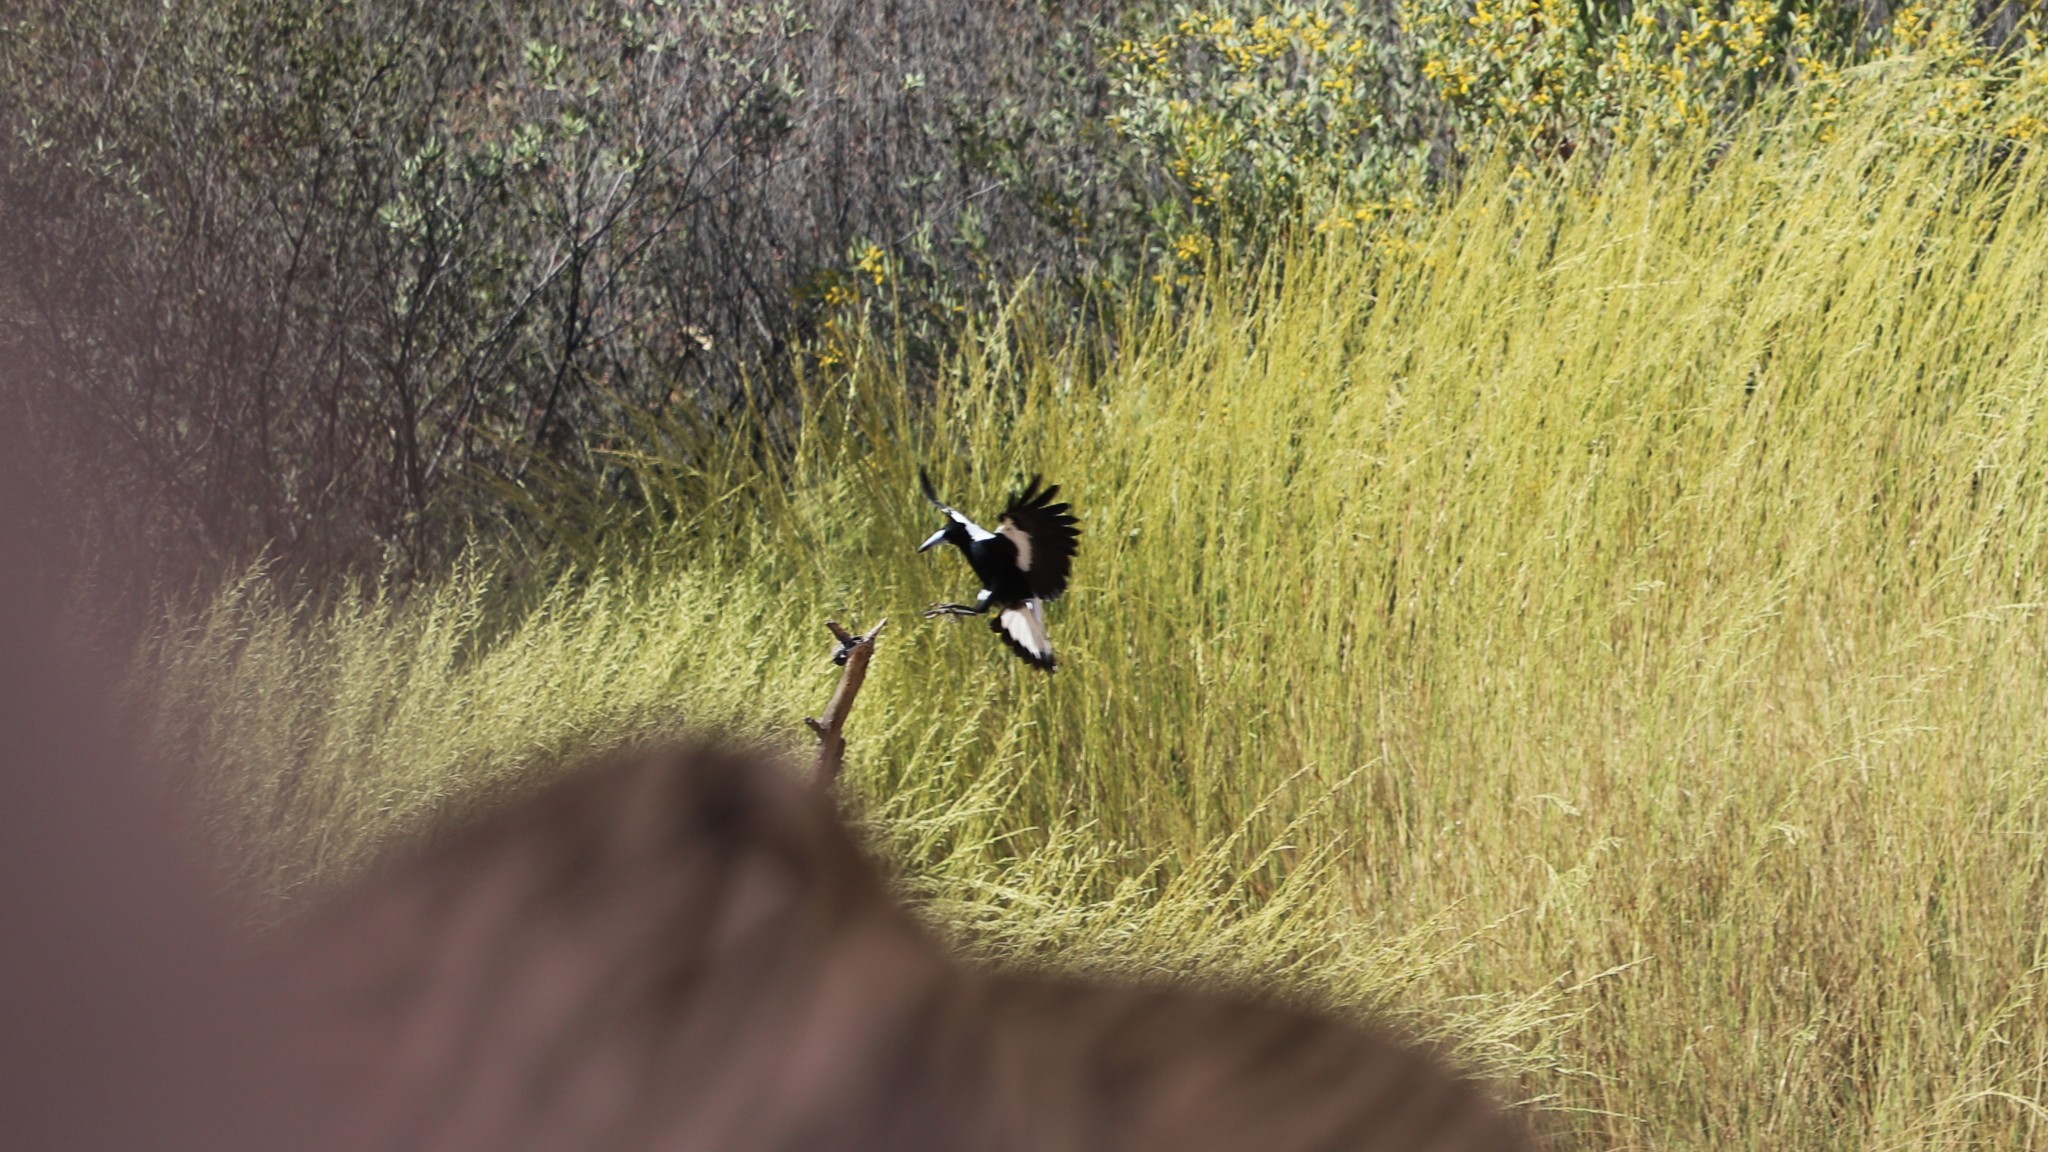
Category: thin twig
[853,652]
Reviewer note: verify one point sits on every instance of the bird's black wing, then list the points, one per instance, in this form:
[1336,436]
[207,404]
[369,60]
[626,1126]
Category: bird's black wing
[1046,536]
[924,481]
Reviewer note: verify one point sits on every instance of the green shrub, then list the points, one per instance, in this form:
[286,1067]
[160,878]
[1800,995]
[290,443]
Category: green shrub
[1266,114]
[322,281]
[1546,78]
[302,275]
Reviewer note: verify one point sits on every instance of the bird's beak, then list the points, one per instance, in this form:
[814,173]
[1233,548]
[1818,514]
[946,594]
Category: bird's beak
[937,538]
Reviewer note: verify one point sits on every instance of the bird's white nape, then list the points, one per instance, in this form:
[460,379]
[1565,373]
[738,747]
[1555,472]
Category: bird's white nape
[974,531]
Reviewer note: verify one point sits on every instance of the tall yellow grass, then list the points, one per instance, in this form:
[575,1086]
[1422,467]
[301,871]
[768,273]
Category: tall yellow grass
[1603,628]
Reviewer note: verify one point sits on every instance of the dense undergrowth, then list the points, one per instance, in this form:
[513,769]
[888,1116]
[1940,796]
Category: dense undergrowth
[1600,623]
[319,283]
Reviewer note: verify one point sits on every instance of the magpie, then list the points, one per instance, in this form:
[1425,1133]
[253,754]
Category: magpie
[1022,564]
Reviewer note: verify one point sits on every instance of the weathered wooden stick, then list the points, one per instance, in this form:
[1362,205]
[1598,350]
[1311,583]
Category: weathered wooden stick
[853,653]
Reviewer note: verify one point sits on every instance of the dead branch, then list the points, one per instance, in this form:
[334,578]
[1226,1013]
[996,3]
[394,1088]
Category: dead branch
[853,654]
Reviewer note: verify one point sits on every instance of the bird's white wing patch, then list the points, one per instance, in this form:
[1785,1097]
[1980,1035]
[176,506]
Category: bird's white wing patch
[1026,626]
[974,531]
[1021,539]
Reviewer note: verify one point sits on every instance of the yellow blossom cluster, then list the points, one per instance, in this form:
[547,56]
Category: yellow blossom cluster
[1259,110]
[2001,94]
[873,263]
[1541,77]
[1531,71]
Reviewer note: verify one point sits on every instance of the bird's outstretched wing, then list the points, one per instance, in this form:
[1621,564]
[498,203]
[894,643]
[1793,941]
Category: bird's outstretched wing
[1023,629]
[1046,536]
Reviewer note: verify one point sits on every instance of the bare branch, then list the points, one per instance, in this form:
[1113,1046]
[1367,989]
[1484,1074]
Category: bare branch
[853,654]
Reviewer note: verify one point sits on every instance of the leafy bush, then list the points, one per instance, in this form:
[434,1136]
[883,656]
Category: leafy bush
[287,273]
[1545,78]
[1266,114]
[305,279]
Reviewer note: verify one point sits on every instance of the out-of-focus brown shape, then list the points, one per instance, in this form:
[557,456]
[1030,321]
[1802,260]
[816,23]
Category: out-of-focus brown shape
[131,1016]
[684,949]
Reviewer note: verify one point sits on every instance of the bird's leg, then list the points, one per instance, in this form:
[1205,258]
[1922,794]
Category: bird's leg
[979,607]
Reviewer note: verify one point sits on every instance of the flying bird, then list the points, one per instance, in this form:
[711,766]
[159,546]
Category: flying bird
[1022,564]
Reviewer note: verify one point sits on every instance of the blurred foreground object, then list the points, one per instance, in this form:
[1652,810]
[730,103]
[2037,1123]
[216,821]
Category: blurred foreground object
[685,949]
[131,1016]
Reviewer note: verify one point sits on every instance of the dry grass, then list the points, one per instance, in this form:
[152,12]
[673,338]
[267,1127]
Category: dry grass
[1605,627]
